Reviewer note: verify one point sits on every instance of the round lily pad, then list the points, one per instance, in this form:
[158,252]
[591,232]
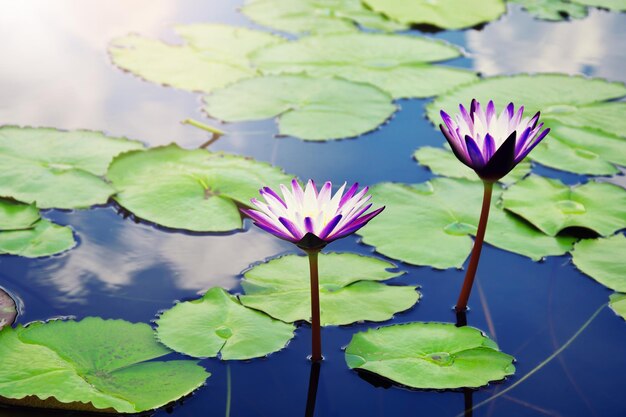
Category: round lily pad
[57,169]
[446,14]
[15,215]
[189,189]
[218,324]
[91,365]
[553,206]
[399,65]
[8,309]
[307,108]
[617,302]
[553,9]
[317,16]
[431,223]
[603,260]
[214,56]
[349,291]
[430,355]
[43,239]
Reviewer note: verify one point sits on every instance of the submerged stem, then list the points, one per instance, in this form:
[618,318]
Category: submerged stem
[316,338]
[461,304]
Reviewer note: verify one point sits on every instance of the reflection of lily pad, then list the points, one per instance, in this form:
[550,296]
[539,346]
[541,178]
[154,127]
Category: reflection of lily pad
[443,162]
[15,215]
[189,189]
[43,239]
[57,169]
[603,260]
[396,64]
[8,309]
[92,365]
[348,289]
[317,16]
[553,9]
[214,56]
[307,108]
[218,323]
[430,355]
[430,224]
[448,14]
[618,303]
[553,206]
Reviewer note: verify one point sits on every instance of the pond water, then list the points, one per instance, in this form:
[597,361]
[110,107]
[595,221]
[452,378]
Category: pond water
[55,72]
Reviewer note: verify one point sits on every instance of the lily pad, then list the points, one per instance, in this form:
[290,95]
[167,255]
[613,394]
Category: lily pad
[443,162]
[446,14]
[92,365]
[317,16]
[307,108]
[216,324]
[617,302]
[615,5]
[431,223]
[189,189]
[396,64]
[603,260]
[349,291]
[553,9]
[8,309]
[430,355]
[43,239]
[15,215]
[213,57]
[553,206]
[57,169]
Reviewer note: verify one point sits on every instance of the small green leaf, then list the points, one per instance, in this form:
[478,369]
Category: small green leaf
[307,108]
[617,302]
[615,5]
[603,260]
[430,355]
[218,324]
[44,239]
[15,215]
[8,309]
[553,9]
[348,289]
[552,206]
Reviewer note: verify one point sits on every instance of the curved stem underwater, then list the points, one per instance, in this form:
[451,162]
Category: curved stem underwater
[461,304]
[316,337]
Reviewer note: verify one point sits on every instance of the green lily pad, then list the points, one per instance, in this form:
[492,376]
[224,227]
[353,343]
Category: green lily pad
[307,108]
[553,9]
[430,355]
[615,5]
[317,16]
[396,64]
[617,302]
[349,291]
[443,162]
[15,215]
[430,224]
[8,309]
[213,57]
[552,206]
[43,239]
[57,169]
[446,14]
[603,260]
[216,324]
[189,189]
[92,365]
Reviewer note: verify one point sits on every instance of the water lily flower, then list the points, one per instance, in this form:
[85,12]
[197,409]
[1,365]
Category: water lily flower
[490,144]
[311,219]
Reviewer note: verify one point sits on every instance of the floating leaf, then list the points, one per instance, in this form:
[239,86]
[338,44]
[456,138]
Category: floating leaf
[553,206]
[553,9]
[348,289]
[214,56]
[44,239]
[615,5]
[443,162]
[430,224]
[307,108]
[430,355]
[396,64]
[218,324]
[57,169]
[317,16]
[8,309]
[189,189]
[603,260]
[618,303]
[92,365]
[448,14]
[15,215]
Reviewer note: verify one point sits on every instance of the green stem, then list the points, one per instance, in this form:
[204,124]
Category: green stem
[203,126]
[228,390]
[316,337]
[461,304]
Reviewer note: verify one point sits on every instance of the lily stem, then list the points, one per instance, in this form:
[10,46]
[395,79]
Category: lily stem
[316,338]
[461,304]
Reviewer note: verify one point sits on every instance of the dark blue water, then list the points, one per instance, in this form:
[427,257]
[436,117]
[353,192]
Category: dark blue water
[55,72]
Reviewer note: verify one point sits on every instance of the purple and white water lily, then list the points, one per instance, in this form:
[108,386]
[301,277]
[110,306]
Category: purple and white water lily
[490,144]
[309,218]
